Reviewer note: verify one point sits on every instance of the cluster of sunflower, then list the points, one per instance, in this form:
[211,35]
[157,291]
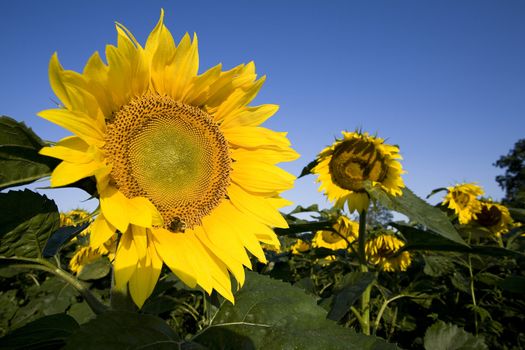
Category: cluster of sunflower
[467,203]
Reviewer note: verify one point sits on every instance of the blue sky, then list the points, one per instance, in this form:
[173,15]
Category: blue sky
[444,80]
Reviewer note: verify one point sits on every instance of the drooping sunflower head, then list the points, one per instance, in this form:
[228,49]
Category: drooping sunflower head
[463,199]
[354,162]
[184,171]
[344,231]
[495,217]
[381,251]
[85,255]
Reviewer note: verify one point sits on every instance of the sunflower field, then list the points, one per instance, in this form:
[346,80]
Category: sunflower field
[194,245]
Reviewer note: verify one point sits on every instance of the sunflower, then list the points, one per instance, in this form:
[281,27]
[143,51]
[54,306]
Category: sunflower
[85,255]
[345,231]
[462,198]
[495,217]
[183,169]
[354,162]
[300,247]
[381,251]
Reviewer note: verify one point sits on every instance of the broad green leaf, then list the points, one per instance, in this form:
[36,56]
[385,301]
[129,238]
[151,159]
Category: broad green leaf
[437,266]
[61,236]
[9,303]
[419,211]
[269,314]
[514,284]
[427,240]
[20,162]
[97,269]
[294,229]
[48,332]
[446,336]
[124,330]
[307,170]
[27,221]
[81,312]
[353,285]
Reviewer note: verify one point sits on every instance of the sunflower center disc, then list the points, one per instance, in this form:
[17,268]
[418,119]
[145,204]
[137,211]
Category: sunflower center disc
[355,161]
[171,153]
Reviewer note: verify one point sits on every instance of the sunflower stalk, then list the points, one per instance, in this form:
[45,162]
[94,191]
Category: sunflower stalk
[365,297]
[41,264]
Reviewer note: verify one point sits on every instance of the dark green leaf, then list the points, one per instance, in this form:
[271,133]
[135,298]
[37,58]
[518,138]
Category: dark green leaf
[517,214]
[437,190]
[9,305]
[514,284]
[428,240]
[61,236]
[419,211]
[270,314]
[307,170]
[446,336]
[294,229]
[123,330]
[20,162]
[48,332]
[81,312]
[353,285]
[301,209]
[437,266]
[95,270]
[27,221]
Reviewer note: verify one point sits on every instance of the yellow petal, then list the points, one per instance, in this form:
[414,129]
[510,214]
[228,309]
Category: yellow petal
[184,67]
[78,123]
[257,207]
[238,99]
[250,116]
[66,173]
[198,93]
[96,75]
[115,207]
[72,149]
[175,252]
[140,240]
[100,231]
[261,178]
[270,156]
[126,261]
[255,137]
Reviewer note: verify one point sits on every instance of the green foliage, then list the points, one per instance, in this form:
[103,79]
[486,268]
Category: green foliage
[269,314]
[446,336]
[46,333]
[20,162]
[418,211]
[27,221]
[60,237]
[513,182]
[348,292]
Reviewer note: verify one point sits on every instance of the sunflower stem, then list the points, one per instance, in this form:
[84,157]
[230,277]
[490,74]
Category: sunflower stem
[365,297]
[44,265]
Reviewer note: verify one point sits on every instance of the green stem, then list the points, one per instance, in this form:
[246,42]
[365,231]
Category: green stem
[44,265]
[382,310]
[472,292]
[365,297]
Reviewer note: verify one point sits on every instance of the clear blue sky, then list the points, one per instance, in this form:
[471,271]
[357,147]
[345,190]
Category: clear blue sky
[445,80]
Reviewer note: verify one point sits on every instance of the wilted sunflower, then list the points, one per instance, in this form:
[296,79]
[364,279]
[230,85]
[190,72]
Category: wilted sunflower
[380,251]
[348,165]
[85,255]
[495,217]
[462,198]
[346,231]
[183,169]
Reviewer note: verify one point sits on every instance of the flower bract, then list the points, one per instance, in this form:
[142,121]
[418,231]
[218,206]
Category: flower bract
[183,169]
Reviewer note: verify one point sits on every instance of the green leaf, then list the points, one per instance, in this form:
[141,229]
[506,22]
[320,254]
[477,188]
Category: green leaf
[269,314]
[61,236]
[27,221]
[437,266]
[48,332]
[513,284]
[294,229]
[95,270]
[436,190]
[20,162]
[446,336]
[419,211]
[427,240]
[353,285]
[124,330]
[307,170]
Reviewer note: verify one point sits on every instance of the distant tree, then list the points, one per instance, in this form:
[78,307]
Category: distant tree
[378,215]
[513,182]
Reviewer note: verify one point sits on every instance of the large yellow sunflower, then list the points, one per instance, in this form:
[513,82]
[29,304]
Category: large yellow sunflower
[381,250]
[184,171]
[462,198]
[348,165]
